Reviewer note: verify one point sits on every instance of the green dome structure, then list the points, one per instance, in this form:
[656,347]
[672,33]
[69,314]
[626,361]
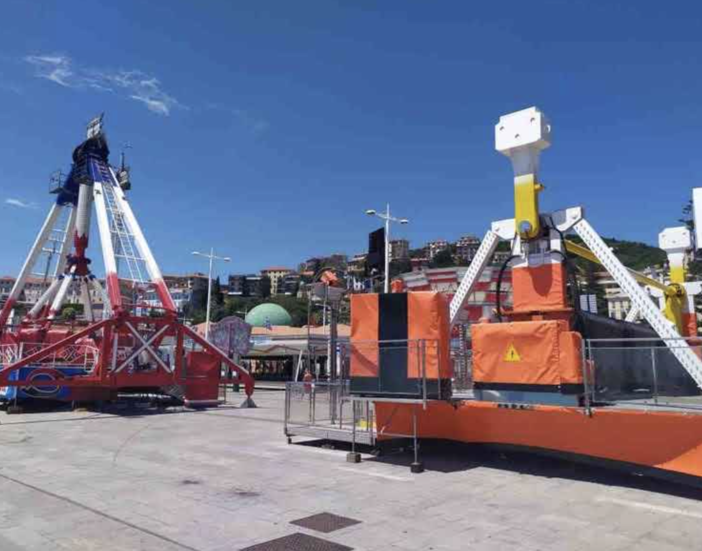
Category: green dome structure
[268,314]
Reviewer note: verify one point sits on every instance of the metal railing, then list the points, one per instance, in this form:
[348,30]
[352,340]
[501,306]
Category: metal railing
[75,355]
[398,369]
[326,410]
[640,370]
[462,370]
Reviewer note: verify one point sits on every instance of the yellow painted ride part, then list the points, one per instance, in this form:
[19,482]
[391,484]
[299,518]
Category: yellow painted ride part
[526,206]
[587,254]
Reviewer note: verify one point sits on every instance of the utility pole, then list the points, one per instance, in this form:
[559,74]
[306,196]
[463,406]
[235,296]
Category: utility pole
[212,257]
[387,218]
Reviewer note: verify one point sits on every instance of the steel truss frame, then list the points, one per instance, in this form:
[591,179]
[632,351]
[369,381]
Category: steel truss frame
[109,370]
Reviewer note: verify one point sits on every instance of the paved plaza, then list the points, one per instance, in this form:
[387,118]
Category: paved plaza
[226,479]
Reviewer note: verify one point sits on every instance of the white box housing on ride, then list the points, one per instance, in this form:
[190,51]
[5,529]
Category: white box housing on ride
[525,128]
[675,239]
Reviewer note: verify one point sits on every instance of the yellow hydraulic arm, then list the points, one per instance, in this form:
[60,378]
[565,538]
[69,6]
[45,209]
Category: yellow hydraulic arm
[587,254]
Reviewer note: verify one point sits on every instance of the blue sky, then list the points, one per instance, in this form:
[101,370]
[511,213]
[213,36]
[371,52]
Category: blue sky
[265,129]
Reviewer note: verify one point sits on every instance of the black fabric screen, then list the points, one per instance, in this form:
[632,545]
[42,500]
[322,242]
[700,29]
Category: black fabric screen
[392,356]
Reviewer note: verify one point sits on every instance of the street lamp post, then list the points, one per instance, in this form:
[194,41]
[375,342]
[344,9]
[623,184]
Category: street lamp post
[387,218]
[212,257]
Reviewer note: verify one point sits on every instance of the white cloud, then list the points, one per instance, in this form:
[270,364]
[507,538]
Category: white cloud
[56,68]
[19,203]
[132,84]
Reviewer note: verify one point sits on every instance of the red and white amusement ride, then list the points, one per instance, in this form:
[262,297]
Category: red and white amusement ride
[126,346]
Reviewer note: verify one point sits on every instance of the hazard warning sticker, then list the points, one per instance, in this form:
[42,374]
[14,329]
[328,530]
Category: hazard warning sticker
[512,355]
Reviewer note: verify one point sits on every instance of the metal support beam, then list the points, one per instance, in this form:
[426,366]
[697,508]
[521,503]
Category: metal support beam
[162,291]
[108,251]
[34,253]
[476,268]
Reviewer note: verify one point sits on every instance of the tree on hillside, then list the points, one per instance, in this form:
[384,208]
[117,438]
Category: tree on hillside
[632,254]
[442,259]
[217,296]
[296,307]
[240,306]
[398,267]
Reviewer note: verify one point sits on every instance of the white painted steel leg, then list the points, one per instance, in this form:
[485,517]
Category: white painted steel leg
[100,290]
[67,242]
[47,297]
[476,268]
[31,259]
[108,251]
[143,247]
[61,295]
[84,210]
[87,300]
[639,299]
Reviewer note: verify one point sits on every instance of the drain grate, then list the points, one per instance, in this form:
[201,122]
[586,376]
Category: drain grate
[298,542]
[325,522]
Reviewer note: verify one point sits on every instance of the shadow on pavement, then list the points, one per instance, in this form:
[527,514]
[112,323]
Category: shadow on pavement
[451,457]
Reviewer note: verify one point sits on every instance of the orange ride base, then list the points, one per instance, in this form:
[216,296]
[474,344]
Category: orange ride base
[662,440]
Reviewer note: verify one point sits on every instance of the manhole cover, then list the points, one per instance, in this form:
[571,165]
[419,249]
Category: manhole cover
[325,522]
[298,542]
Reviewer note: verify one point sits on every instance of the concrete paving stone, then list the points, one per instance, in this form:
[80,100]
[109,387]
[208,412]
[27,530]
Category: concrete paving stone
[675,531]
[9,545]
[26,539]
[658,546]
[247,484]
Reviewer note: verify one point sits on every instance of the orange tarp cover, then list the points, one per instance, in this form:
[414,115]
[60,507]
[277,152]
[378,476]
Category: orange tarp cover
[539,288]
[527,353]
[428,320]
[364,335]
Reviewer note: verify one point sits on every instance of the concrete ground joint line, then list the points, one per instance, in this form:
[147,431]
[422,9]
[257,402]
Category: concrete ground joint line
[674,511]
[128,440]
[99,513]
[247,417]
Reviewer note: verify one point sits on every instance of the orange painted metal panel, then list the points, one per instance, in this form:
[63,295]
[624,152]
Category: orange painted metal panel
[670,441]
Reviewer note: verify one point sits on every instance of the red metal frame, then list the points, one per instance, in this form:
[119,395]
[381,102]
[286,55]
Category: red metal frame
[104,374]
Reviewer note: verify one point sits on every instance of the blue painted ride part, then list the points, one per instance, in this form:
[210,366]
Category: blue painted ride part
[10,393]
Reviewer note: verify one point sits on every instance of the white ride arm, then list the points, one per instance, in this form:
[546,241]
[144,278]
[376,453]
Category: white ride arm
[476,268]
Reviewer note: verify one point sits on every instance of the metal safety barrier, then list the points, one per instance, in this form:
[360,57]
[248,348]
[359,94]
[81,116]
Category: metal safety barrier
[325,410]
[640,371]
